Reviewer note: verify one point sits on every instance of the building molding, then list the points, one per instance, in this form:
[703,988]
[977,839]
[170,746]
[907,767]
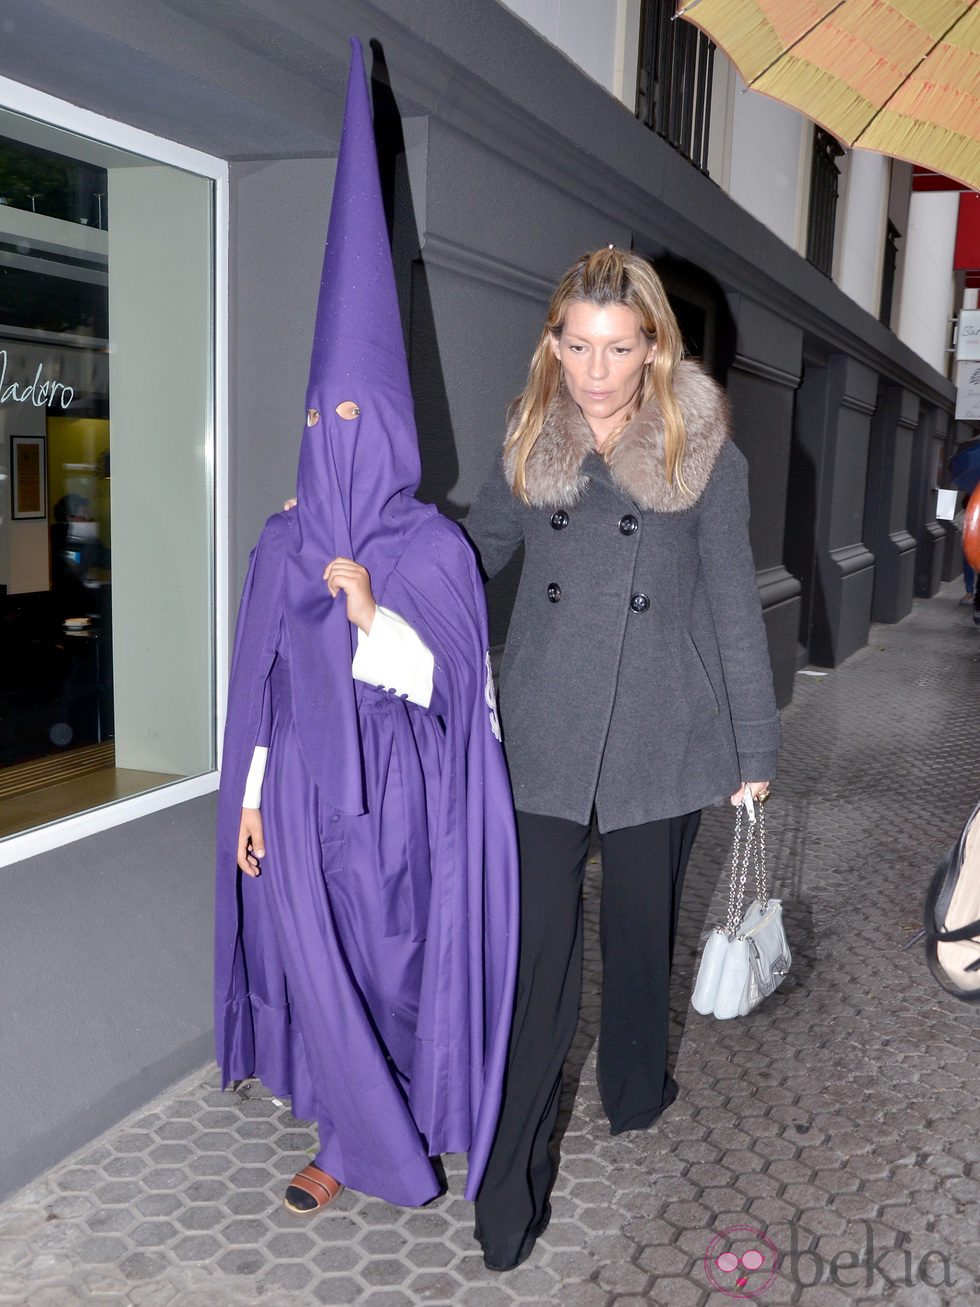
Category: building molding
[857,404]
[851,559]
[767,371]
[451,256]
[777,586]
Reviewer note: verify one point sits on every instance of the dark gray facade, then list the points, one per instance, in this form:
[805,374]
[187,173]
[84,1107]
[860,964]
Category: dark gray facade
[504,162]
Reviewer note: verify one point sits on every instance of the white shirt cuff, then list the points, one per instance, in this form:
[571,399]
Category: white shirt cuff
[394,658]
[253,782]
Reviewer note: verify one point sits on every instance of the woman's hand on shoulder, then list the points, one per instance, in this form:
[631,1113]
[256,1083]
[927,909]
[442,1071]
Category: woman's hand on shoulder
[355,581]
[290,503]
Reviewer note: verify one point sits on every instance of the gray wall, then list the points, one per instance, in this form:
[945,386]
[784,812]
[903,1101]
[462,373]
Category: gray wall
[512,163]
[280,209]
[105,970]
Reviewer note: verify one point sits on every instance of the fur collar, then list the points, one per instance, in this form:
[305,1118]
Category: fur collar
[554,467]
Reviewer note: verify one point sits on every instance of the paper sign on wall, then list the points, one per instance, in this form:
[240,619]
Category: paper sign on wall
[968,335]
[946,504]
[968,392]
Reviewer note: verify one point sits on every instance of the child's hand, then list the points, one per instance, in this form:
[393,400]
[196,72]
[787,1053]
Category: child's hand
[344,574]
[251,844]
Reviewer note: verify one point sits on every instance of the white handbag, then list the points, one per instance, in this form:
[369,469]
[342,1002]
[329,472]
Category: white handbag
[746,960]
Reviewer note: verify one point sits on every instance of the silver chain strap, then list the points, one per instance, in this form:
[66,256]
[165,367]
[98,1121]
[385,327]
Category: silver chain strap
[747,851]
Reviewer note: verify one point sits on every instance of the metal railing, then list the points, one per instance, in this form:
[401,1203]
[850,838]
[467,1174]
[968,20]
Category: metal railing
[888,266]
[674,82]
[824,189]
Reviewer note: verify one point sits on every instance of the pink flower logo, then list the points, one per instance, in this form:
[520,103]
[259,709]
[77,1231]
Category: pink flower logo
[741,1261]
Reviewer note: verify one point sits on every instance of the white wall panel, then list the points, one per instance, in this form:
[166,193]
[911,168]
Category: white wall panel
[862,212]
[542,15]
[601,36]
[927,284]
[160,399]
[764,170]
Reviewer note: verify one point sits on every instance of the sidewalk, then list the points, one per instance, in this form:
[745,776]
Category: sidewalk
[837,1123]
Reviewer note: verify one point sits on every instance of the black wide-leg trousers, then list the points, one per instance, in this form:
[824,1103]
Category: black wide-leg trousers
[642,878]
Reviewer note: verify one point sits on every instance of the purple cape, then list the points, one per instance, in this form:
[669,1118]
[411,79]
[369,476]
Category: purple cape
[464,994]
[368,972]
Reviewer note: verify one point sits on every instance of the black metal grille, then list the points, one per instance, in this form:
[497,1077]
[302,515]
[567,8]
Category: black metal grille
[674,84]
[824,178]
[889,263]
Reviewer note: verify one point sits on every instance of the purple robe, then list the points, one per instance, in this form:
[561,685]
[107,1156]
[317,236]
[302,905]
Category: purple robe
[453,905]
[368,972]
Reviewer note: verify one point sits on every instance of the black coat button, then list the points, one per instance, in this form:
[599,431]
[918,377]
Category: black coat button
[559,520]
[628,524]
[554,592]
[640,603]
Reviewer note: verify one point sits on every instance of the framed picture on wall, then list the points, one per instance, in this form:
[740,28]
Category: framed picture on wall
[28,479]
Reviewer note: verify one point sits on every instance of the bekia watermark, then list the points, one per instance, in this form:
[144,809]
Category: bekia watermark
[742,1261]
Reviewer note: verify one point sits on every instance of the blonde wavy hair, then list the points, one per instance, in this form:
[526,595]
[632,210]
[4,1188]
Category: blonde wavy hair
[605,277]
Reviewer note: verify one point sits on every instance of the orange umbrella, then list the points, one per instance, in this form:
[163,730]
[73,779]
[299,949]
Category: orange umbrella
[971,531]
[901,78]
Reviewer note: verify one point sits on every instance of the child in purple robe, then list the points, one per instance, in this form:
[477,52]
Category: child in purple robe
[367,875]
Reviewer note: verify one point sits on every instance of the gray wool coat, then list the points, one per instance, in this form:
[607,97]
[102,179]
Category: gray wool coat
[636,676]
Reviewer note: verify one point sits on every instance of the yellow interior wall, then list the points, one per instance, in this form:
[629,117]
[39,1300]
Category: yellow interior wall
[79,441]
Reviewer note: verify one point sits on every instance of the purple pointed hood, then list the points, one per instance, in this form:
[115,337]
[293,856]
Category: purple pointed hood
[359,460]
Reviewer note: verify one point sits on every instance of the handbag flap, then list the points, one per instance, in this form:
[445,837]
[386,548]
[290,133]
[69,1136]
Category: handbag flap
[769,953]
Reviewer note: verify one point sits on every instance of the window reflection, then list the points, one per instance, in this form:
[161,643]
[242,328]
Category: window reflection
[55,643]
[43,182]
[94,704]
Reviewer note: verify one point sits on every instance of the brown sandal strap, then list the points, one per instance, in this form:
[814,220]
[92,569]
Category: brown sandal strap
[324,1188]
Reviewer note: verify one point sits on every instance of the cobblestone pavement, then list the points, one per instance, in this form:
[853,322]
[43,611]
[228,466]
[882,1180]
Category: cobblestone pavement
[837,1123]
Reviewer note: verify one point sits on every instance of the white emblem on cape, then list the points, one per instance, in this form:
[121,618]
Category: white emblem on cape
[491,698]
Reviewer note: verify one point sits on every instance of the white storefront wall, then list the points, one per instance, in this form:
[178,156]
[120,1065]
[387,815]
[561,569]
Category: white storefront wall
[765,174]
[601,36]
[862,212]
[927,286]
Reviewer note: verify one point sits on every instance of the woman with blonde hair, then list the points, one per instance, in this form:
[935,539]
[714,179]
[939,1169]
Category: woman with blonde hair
[636,688]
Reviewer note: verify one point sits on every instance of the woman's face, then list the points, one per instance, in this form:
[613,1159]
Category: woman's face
[603,352]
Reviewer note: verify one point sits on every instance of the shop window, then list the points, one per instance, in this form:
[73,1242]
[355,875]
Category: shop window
[106,458]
